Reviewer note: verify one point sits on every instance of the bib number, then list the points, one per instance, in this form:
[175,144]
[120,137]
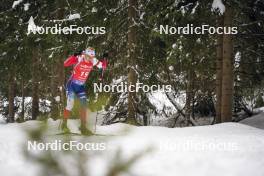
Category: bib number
[84,74]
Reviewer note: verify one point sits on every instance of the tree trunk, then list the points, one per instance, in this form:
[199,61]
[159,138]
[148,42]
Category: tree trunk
[145,120]
[219,63]
[23,100]
[227,80]
[58,74]
[61,76]
[189,95]
[11,97]
[53,91]
[35,86]
[132,76]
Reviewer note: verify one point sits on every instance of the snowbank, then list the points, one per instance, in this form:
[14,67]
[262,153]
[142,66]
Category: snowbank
[230,149]
[255,121]
[2,120]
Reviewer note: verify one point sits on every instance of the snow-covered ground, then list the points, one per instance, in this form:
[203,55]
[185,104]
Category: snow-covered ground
[230,149]
[255,121]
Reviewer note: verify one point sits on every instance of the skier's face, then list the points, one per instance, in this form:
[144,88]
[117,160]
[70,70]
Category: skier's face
[88,57]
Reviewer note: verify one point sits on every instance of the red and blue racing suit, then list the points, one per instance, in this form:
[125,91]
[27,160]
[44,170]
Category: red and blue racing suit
[80,73]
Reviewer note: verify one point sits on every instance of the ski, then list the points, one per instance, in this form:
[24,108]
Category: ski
[79,134]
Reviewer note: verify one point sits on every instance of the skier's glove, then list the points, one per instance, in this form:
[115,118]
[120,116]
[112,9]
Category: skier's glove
[77,53]
[105,55]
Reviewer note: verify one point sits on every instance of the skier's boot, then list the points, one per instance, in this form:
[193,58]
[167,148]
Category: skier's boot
[84,130]
[64,126]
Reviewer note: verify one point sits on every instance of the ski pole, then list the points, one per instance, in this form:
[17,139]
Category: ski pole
[95,121]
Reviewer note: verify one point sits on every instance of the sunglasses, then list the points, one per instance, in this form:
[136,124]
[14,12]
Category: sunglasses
[89,52]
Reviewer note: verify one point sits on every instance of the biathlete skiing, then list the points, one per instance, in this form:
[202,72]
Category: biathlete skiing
[83,63]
